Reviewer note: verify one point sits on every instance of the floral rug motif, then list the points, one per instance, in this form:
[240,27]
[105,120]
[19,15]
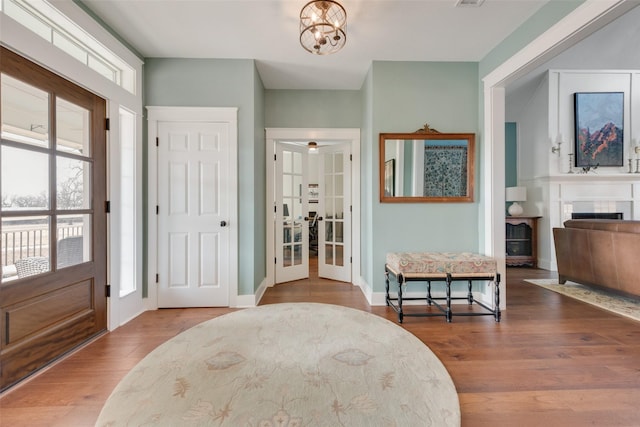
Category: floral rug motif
[610,301]
[286,365]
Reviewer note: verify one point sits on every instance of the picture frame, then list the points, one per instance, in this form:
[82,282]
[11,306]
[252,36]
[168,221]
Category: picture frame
[427,166]
[314,193]
[599,129]
[389,178]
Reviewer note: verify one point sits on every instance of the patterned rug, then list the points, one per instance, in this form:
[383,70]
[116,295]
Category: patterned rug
[287,365]
[618,304]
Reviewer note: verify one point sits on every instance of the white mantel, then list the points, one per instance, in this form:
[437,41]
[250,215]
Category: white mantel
[556,197]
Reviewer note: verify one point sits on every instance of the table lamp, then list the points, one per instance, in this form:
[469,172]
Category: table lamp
[515,195]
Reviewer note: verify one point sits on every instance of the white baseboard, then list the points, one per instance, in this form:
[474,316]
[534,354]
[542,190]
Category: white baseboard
[247,301]
[367,291]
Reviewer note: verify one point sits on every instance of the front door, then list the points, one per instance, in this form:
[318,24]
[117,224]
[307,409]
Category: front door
[54,240]
[194,186]
[334,213]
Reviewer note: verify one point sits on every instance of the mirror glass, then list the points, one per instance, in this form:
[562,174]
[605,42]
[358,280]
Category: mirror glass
[426,167]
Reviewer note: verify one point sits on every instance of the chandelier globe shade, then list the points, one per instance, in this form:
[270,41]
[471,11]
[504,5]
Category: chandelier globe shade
[323,27]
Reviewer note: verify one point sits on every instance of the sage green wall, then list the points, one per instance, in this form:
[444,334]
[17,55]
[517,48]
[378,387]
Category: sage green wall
[547,16]
[367,174]
[223,83]
[259,183]
[368,177]
[404,96]
[312,108]
[510,154]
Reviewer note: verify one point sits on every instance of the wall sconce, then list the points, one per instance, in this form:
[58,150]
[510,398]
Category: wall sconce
[313,147]
[555,149]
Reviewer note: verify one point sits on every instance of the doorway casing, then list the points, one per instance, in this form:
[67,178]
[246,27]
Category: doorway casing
[583,21]
[344,135]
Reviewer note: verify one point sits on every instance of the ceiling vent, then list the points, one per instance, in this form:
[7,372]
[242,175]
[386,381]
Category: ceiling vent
[469,3]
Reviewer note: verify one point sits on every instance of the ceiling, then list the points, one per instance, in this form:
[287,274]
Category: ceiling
[268,31]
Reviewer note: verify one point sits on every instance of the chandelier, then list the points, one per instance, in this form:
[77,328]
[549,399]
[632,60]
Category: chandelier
[323,27]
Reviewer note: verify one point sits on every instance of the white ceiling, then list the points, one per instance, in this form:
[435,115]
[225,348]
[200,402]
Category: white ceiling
[268,31]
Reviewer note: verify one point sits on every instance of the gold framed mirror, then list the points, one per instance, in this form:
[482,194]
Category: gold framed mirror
[427,166]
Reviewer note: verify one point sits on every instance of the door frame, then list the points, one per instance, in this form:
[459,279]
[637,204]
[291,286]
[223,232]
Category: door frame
[158,114]
[347,135]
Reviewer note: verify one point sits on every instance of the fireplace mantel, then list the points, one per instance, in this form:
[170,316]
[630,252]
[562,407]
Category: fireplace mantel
[555,197]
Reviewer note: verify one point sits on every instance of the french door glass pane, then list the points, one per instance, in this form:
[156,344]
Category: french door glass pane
[25,179]
[72,129]
[73,183]
[25,113]
[73,247]
[25,247]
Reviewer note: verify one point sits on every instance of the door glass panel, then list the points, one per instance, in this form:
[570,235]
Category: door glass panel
[73,183]
[286,256]
[297,254]
[25,179]
[297,163]
[287,163]
[328,231]
[338,163]
[287,234]
[328,185]
[339,232]
[297,210]
[287,186]
[73,247]
[339,205]
[328,254]
[339,190]
[328,207]
[25,113]
[339,255]
[72,128]
[25,247]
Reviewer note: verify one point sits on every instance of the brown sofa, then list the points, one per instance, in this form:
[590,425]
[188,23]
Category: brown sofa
[600,252]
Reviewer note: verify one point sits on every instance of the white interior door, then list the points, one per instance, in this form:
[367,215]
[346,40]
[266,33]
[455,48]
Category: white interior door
[291,212]
[193,212]
[334,210]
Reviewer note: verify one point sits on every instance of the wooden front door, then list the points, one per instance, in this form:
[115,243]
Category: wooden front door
[53,218]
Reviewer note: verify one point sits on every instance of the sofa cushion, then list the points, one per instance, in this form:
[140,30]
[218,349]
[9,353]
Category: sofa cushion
[619,225]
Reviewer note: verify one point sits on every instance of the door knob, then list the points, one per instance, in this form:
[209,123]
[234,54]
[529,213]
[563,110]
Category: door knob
[223,223]
[319,218]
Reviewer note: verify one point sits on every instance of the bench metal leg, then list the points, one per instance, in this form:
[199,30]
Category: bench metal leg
[448,289]
[400,313]
[497,298]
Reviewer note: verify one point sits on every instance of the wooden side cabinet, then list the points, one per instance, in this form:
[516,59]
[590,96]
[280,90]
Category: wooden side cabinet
[522,240]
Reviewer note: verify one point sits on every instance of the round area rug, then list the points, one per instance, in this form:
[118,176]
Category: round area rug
[287,365]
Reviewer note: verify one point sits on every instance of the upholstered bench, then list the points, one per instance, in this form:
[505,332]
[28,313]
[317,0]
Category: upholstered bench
[444,267]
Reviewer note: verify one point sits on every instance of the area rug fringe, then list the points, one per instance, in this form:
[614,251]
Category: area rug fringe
[618,304]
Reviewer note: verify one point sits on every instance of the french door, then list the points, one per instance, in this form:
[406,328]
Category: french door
[334,210]
[53,216]
[291,213]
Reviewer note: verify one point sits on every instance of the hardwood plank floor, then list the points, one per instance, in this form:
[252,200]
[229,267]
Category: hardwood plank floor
[551,361]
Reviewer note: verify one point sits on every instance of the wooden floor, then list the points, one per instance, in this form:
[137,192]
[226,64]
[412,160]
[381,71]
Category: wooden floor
[552,361]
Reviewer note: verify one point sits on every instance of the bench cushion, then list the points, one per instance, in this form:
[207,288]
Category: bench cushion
[438,264]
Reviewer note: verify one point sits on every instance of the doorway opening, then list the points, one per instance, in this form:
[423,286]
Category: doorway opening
[314,197]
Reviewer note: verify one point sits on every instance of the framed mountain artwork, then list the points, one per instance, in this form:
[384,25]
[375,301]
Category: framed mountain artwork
[599,128]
